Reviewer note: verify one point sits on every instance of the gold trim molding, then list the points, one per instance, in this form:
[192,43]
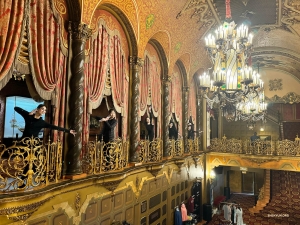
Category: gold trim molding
[290,98]
[259,161]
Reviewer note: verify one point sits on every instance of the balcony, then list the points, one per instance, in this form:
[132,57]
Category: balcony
[30,164]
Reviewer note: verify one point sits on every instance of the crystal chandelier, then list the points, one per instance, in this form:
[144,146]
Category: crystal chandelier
[232,83]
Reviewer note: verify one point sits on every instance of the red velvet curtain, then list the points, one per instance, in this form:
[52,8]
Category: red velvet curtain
[192,102]
[155,87]
[59,115]
[95,76]
[117,72]
[96,69]
[46,58]
[11,19]
[177,98]
[144,85]
[47,61]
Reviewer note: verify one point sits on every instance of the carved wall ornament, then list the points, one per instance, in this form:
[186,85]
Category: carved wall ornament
[154,171]
[26,211]
[291,12]
[290,98]
[260,161]
[137,182]
[199,10]
[150,21]
[111,185]
[275,85]
[79,30]
[196,160]
[77,201]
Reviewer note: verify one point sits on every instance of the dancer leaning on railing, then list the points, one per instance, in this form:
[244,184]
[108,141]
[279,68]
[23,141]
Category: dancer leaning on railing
[33,125]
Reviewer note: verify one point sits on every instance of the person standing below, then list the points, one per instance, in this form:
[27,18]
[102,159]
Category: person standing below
[233,213]
[239,216]
[190,132]
[34,122]
[227,212]
[173,133]
[110,122]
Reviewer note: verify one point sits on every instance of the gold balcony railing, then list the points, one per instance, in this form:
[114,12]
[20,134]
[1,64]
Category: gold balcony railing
[150,151]
[175,148]
[193,146]
[29,163]
[101,157]
[257,147]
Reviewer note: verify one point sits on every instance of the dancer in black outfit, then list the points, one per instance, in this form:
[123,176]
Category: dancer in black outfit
[190,132]
[33,125]
[173,133]
[110,122]
[150,126]
[34,122]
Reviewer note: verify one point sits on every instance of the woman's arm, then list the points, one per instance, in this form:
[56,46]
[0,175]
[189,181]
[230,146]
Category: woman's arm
[21,111]
[113,124]
[53,127]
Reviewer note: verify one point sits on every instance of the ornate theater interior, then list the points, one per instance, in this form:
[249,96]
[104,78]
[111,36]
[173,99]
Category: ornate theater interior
[206,95]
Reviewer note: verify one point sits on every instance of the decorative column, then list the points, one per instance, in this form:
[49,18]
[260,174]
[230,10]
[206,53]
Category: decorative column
[166,114]
[220,123]
[136,65]
[199,121]
[79,33]
[185,117]
[204,124]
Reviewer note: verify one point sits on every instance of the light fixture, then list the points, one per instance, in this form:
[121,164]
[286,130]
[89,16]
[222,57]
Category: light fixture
[251,124]
[232,83]
[243,170]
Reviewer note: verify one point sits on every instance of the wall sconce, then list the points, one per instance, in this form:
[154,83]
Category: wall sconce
[243,170]
[212,175]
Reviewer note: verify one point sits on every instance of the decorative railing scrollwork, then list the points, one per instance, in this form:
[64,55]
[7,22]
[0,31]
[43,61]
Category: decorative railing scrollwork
[102,157]
[193,146]
[29,163]
[150,151]
[257,147]
[176,148]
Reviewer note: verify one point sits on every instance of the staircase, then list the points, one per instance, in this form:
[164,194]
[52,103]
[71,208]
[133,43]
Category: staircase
[264,194]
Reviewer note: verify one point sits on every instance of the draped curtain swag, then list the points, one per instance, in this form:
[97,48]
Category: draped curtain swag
[46,58]
[155,87]
[12,13]
[96,69]
[47,61]
[176,97]
[144,89]
[117,72]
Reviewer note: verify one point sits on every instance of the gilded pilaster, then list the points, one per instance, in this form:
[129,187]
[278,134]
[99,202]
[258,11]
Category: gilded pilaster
[185,117]
[136,65]
[79,33]
[166,114]
[204,124]
[199,120]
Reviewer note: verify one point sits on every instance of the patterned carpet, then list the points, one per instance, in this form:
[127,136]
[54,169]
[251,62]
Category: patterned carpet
[278,216]
[283,208]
